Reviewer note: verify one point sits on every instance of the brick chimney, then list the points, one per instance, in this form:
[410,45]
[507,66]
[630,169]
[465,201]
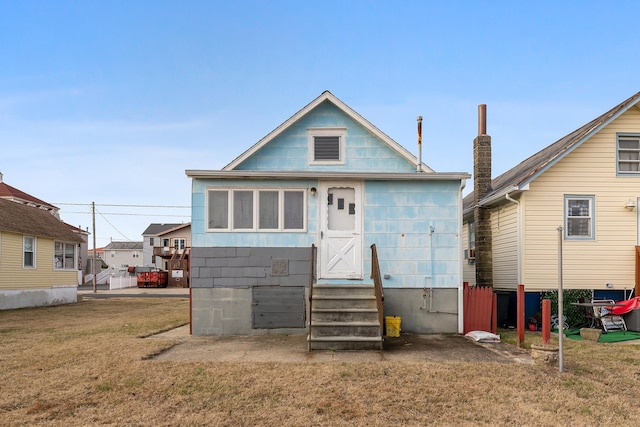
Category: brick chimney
[482,215]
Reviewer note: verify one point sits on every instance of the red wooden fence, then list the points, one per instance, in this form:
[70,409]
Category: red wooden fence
[480,312]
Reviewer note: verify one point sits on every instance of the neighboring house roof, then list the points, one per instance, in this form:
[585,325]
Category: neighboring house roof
[78,230]
[517,178]
[123,246]
[180,227]
[24,219]
[327,96]
[12,193]
[155,228]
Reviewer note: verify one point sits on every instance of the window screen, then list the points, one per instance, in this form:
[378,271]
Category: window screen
[29,248]
[243,209]
[268,210]
[293,210]
[218,210]
[579,217]
[628,154]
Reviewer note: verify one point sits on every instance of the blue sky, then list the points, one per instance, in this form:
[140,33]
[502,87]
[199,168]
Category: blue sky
[111,101]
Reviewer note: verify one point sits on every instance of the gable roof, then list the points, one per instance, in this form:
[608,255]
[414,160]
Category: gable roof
[123,246]
[517,178]
[327,96]
[12,193]
[156,228]
[24,219]
[174,229]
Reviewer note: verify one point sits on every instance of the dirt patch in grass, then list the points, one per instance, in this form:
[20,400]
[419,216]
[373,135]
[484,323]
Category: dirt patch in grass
[88,364]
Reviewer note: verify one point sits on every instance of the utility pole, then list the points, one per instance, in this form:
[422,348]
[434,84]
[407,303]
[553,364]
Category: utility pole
[93,264]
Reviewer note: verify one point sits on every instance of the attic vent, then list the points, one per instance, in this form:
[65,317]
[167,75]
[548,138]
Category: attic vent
[326,148]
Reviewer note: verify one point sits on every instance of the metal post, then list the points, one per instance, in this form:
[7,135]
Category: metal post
[93,264]
[560,301]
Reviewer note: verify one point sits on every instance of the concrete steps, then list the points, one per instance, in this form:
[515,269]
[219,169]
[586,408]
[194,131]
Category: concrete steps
[344,317]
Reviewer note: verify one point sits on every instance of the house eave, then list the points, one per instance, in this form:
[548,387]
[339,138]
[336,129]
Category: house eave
[311,175]
[497,198]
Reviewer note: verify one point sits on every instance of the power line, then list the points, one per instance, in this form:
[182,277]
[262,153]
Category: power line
[124,206]
[114,227]
[132,214]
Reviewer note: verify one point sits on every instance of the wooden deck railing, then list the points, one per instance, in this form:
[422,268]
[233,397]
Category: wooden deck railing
[377,282]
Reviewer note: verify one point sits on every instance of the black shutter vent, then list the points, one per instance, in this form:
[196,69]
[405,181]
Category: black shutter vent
[326,148]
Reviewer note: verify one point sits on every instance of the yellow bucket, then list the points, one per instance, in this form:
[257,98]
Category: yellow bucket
[393,325]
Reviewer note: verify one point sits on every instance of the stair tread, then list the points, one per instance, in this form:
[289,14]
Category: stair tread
[344,323]
[344,310]
[344,297]
[346,285]
[344,338]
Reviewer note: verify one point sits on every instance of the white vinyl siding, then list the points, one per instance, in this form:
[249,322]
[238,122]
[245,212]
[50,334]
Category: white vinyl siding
[609,256]
[504,224]
[16,277]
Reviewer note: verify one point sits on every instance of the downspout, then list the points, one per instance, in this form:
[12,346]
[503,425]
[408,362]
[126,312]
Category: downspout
[518,216]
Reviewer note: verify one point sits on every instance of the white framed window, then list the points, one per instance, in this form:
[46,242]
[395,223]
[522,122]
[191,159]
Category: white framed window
[628,154]
[242,209]
[29,252]
[326,146]
[64,256]
[579,217]
[179,242]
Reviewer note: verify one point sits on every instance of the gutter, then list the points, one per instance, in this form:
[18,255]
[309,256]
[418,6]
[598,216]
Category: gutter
[377,176]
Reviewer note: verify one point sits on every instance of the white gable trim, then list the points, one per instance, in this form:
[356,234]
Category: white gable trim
[577,144]
[326,96]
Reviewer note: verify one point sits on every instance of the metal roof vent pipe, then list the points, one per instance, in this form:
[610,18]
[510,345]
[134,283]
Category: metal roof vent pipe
[419,164]
[482,214]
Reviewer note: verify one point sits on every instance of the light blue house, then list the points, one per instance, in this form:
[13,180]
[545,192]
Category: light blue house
[325,177]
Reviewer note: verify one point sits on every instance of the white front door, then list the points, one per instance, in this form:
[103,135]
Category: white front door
[340,230]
